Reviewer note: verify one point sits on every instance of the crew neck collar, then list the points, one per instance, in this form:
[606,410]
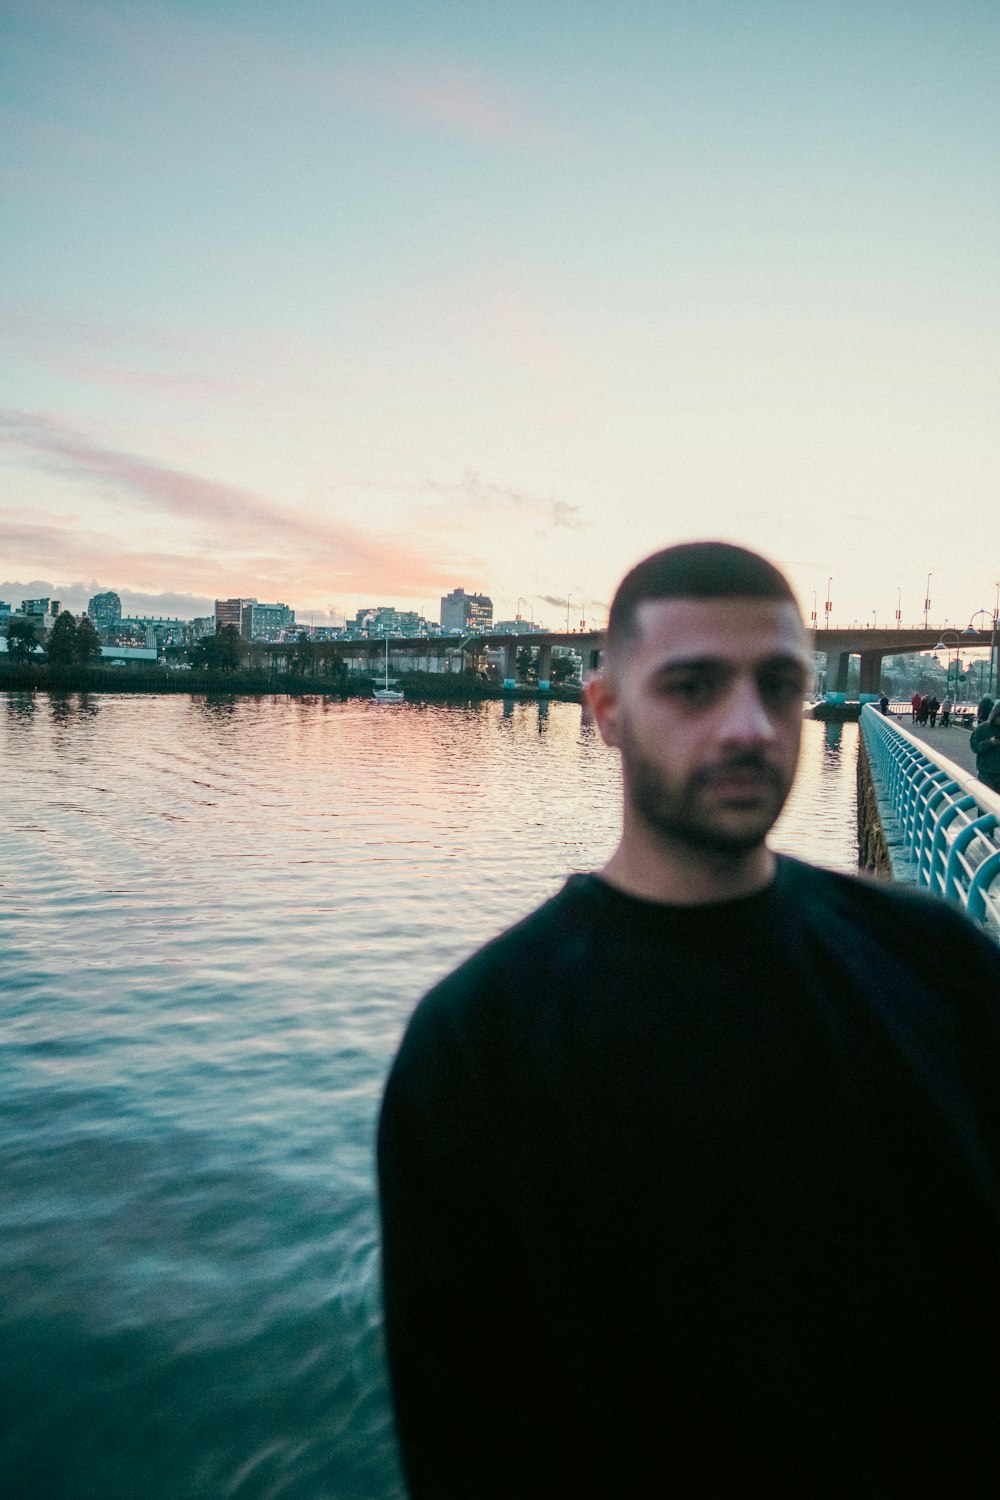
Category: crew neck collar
[611,894]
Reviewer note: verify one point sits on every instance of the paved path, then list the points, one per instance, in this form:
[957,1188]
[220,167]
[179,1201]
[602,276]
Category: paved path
[952,742]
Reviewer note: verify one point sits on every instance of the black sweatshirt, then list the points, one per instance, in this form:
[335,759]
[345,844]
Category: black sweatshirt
[683,1200]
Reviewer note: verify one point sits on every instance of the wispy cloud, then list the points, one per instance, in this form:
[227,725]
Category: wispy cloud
[454,97]
[484,495]
[148,382]
[227,532]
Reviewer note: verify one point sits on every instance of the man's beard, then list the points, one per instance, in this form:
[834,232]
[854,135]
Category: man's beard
[681,812]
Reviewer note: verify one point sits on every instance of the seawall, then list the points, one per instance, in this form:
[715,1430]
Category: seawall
[881,848]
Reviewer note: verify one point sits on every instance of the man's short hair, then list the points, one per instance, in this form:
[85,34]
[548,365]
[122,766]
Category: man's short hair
[693,570]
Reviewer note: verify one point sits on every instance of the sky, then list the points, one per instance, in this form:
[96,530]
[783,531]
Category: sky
[344,304]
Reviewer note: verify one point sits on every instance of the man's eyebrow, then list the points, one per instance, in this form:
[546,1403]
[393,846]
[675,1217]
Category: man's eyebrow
[727,664]
[695,663]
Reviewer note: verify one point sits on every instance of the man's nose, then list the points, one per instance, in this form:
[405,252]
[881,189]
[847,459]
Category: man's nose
[747,719]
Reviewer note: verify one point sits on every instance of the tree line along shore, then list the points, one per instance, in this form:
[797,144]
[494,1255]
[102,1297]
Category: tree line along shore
[71,660]
[454,687]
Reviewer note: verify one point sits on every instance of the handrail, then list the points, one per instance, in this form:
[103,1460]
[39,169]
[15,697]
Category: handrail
[948,820]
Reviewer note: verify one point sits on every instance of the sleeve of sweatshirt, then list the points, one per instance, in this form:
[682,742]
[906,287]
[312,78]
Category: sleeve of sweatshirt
[459,1329]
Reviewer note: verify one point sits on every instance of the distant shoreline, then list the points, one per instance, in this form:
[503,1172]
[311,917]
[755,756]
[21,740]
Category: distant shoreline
[418,687]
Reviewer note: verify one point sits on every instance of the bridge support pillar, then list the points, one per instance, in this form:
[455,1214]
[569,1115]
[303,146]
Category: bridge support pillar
[510,666]
[840,663]
[544,667]
[871,671]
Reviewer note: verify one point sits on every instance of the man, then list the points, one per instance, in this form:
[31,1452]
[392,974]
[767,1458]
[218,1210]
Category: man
[985,743]
[689,1180]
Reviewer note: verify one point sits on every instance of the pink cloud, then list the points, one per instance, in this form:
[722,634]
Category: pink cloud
[140,382]
[239,539]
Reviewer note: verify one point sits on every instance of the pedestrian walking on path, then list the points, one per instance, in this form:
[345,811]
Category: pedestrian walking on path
[985,741]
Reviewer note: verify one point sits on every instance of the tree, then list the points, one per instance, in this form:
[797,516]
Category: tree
[563,667]
[60,648]
[21,638]
[220,652]
[304,655]
[525,658]
[87,647]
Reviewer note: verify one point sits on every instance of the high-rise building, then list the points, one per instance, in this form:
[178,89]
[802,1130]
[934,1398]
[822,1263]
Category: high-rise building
[268,622]
[462,611]
[254,621]
[106,611]
[231,612]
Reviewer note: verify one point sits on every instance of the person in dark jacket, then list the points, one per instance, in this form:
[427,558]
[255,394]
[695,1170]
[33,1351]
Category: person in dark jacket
[690,1182]
[985,742]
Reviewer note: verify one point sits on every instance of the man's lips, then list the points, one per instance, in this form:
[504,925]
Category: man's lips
[740,780]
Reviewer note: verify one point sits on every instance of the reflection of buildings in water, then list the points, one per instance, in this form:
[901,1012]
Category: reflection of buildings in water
[832,740]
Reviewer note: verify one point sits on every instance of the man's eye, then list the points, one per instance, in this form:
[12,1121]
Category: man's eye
[782,688]
[690,689]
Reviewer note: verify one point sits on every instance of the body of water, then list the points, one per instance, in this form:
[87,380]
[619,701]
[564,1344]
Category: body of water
[216,916]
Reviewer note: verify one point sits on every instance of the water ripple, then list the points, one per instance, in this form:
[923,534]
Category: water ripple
[215,920]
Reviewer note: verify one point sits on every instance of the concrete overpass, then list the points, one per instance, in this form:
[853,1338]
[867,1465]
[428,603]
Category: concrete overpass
[872,643]
[436,653]
[416,653]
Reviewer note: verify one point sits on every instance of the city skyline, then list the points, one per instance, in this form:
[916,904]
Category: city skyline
[76,597]
[344,308]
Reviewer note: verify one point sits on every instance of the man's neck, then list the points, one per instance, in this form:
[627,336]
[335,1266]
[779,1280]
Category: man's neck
[682,876]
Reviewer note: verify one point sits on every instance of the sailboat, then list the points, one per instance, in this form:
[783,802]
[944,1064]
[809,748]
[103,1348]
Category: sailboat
[387,694]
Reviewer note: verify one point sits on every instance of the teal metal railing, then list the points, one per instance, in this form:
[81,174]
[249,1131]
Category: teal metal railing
[947,821]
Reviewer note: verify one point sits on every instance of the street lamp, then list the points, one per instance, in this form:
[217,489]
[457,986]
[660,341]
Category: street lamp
[828,605]
[944,645]
[899,607]
[970,629]
[927,599]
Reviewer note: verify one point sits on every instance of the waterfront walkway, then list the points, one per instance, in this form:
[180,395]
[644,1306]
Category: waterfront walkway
[952,742]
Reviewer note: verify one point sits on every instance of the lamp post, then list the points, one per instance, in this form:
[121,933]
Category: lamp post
[927,599]
[944,645]
[899,607]
[828,604]
[812,617]
[970,629]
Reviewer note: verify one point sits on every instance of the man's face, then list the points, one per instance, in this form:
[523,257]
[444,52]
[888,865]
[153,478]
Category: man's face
[705,707]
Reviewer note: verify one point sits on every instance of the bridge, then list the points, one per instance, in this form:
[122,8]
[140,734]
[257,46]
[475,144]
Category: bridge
[872,643]
[925,819]
[417,653]
[436,653]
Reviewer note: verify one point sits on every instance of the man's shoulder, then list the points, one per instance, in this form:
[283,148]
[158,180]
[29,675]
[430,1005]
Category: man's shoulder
[475,1021]
[520,954]
[888,911]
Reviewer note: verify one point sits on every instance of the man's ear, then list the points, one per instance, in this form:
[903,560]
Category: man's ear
[602,700]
